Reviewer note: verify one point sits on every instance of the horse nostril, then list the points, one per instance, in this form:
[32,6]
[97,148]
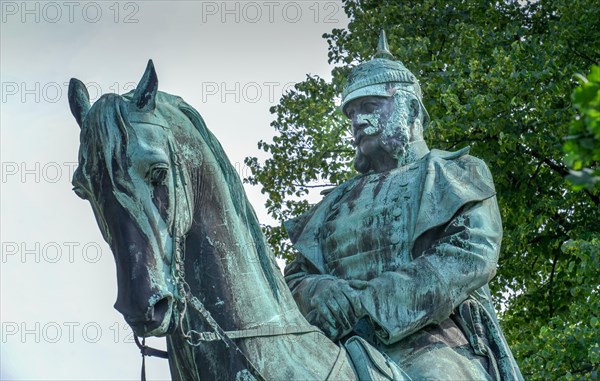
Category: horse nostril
[160,309]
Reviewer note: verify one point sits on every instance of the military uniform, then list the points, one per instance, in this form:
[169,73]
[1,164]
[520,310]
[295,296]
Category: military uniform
[427,301]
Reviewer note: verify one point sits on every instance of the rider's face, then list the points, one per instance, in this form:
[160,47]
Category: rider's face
[369,117]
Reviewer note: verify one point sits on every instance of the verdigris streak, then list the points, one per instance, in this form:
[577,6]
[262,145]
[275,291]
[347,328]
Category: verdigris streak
[392,266]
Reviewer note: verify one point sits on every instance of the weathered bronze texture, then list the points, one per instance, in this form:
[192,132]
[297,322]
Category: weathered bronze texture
[192,263]
[393,265]
[402,254]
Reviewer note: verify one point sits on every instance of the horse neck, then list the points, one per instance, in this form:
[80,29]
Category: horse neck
[225,259]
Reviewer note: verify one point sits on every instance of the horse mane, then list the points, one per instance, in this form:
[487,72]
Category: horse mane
[239,198]
[110,113]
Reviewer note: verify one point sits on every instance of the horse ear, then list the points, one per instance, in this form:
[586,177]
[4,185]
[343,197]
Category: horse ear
[79,100]
[144,96]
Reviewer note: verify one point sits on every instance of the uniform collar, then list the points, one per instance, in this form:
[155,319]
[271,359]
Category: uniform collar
[415,151]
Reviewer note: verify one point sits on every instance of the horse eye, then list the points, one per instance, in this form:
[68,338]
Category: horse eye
[158,174]
[80,193]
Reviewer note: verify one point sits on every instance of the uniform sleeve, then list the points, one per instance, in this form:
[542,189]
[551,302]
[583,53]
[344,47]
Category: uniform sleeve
[304,281]
[449,263]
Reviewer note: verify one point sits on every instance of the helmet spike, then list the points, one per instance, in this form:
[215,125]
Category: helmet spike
[383,50]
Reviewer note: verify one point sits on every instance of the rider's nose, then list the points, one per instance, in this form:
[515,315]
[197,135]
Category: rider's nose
[358,122]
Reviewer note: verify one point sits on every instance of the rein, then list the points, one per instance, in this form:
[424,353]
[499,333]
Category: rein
[193,337]
[148,351]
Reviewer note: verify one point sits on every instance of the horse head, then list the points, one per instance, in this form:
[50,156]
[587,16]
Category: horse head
[131,173]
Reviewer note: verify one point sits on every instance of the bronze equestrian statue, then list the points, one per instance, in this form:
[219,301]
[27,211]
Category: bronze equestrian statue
[392,265]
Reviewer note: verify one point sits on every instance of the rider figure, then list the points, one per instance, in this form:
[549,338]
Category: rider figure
[402,254]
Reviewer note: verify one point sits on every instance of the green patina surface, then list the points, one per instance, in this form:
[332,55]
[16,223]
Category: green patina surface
[395,261]
[184,237]
[401,255]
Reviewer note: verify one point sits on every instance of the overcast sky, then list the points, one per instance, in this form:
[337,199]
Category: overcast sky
[231,60]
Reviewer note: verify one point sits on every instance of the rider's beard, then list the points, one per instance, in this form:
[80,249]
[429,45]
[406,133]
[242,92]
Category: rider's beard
[396,134]
[362,163]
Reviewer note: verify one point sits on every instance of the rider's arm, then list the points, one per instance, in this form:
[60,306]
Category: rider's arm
[461,257]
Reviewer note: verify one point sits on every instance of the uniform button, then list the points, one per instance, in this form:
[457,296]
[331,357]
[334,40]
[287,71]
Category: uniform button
[395,238]
[397,212]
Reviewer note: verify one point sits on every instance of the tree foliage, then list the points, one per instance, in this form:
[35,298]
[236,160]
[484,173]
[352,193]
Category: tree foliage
[497,76]
[583,143]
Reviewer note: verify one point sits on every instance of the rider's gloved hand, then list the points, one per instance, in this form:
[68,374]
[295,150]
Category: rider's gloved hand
[336,307]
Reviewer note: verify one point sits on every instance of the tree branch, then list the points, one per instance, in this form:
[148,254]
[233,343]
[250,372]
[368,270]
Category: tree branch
[582,55]
[561,170]
[314,186]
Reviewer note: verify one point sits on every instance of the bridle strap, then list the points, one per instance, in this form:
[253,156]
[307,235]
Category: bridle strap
[148,351]
[262,331]
[197,304]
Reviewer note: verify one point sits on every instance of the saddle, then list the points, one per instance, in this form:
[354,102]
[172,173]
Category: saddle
[370,364]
